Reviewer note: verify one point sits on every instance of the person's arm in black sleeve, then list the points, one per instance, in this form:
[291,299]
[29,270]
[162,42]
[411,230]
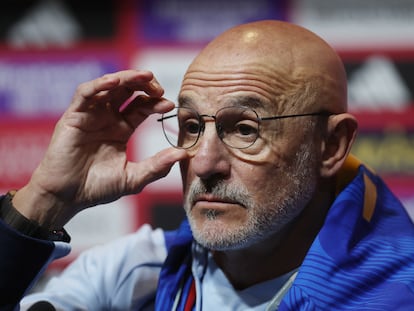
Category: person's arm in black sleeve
[22,258]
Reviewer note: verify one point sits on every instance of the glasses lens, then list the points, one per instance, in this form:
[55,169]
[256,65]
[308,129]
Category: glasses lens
[238,127]
[181,127]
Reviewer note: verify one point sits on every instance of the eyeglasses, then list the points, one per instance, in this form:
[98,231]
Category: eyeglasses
[237,127]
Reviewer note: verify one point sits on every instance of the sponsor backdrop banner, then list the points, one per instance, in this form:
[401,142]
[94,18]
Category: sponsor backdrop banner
[47,48]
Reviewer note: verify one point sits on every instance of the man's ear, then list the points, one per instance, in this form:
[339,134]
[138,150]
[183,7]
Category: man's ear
[341,133]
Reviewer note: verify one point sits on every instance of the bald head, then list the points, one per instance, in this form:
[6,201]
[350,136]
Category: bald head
[299,67]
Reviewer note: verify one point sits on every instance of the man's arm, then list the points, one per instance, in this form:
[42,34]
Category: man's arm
[21,260]
[85,165]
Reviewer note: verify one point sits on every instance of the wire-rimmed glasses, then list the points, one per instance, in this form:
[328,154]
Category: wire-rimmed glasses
[237,126]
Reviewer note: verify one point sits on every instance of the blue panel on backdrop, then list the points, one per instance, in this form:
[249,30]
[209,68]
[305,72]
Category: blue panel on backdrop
[198,21]
[37,87]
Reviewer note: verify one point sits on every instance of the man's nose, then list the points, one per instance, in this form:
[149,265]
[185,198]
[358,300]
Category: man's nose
[211,156]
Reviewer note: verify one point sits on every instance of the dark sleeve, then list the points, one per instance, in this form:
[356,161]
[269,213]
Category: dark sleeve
[21,260]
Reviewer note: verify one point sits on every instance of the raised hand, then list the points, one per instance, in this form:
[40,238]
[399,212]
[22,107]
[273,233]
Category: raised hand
[86,163]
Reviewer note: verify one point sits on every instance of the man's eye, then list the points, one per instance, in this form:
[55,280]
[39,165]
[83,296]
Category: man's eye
[245,129]
[191,127]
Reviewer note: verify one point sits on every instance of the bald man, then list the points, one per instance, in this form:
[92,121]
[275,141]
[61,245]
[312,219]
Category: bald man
[279,215]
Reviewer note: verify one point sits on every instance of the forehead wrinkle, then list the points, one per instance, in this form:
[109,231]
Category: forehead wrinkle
[233,84]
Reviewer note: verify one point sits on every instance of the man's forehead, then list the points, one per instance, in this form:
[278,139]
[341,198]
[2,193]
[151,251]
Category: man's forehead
[251,84]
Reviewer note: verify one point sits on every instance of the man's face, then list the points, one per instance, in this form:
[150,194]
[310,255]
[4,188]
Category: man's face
[235,198]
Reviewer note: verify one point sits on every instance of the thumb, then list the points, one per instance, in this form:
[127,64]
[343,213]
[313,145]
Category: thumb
[151,169]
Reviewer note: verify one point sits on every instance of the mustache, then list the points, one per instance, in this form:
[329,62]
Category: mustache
[220,190]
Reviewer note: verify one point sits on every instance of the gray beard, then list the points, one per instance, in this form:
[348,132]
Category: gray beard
[262,222]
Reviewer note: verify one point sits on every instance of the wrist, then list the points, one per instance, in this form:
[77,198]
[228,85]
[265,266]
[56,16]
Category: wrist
[38,206]
[16,220]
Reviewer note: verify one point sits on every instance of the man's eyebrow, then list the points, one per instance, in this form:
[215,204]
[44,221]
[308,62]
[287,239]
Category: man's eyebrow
[185,101]
[245,101]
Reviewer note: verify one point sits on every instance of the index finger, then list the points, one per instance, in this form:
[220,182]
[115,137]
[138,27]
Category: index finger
[117,87]
[139,80]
